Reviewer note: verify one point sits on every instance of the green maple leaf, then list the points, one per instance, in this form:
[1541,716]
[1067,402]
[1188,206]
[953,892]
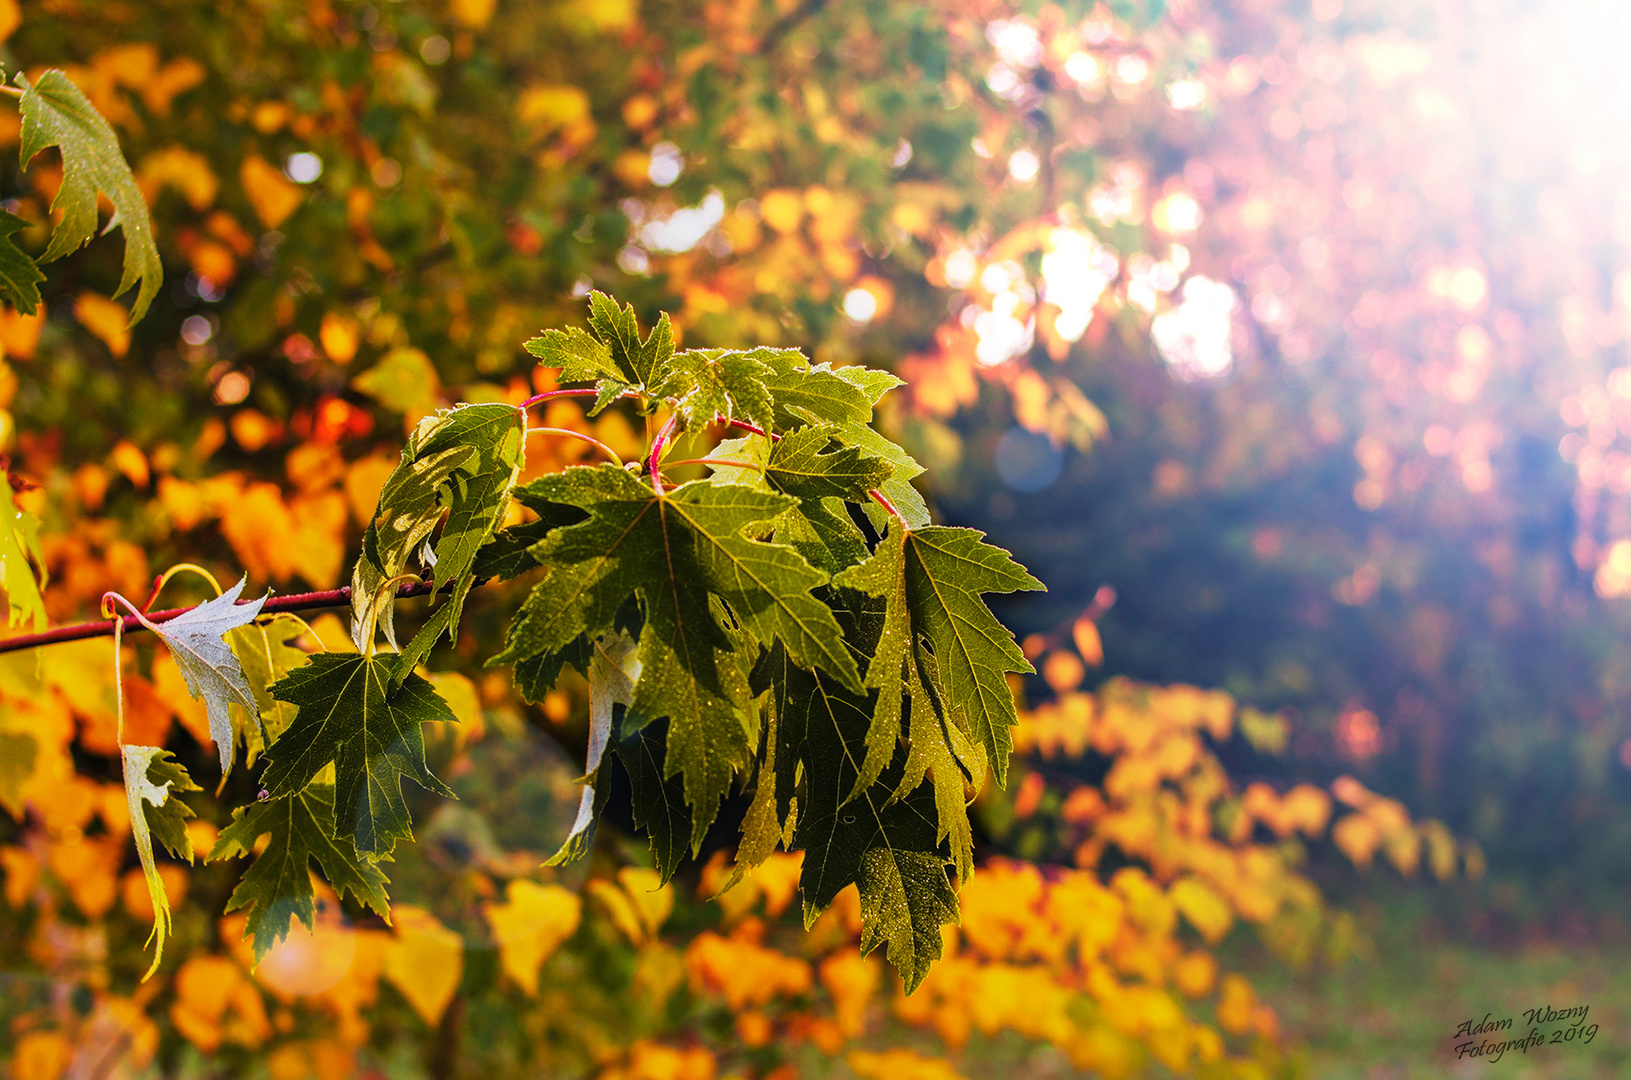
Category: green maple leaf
[762,825]
[724,384]
[808,465]
[679,554]
[931,580]
[580,355]
[196,639]
[819,527]
[658,799]
[462,461]
[898,487]
[806,394]
[152,777]
[277,886]
[19,276]
[888,848]
[349,716]
[56,113]
[509,553]
[638,361]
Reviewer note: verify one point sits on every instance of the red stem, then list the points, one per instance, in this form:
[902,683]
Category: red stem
[104,627]
[663,435]
[877,497]
[743,425]
[588,391]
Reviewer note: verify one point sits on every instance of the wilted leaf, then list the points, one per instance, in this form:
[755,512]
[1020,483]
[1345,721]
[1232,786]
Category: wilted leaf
[197,643]
[151,777]
[613,670]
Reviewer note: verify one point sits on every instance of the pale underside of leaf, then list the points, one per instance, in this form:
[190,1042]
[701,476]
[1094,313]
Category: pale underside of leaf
[197,643]
[614,667]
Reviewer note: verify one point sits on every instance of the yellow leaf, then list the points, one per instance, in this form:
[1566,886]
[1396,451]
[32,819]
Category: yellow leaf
[473,13]
[1205,909]
[1195,974]
[900,1064]
[1358,838]
[1085,632]
[652,899]
[607,16]
[22,872]
[546,109]
[404,381]
[40,1055]
[338,336]
[129,460]
[1236,1003]
[1441,851]
[619,908]
[19,333]
[216,1002]
[425,961]
[782,209]
[272,195]
[363,482]
[530,925]
[179,168]
[176,77]
[106,319]
[1063,671]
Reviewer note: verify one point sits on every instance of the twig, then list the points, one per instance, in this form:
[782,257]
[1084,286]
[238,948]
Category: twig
[130,624]
[587,391]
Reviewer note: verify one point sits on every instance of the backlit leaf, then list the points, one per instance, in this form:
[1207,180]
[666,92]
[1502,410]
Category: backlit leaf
[22,565]
[277,886]
[932,580]
[348,717]
[461,461]
[675,552]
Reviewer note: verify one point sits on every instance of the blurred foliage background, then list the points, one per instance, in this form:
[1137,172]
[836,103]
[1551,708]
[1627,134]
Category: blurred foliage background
[1283,339]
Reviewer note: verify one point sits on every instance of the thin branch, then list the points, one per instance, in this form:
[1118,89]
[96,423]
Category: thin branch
[608,451]
[724,463]
[310,601]
[587,391]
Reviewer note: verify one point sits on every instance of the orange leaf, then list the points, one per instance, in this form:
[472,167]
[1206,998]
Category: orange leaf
[272,195]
